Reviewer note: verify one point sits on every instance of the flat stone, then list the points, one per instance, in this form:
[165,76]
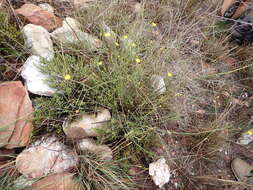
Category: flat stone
[62,181]
[88,125]
[160,172]
[15,115]
[36,15]
[70,33]
[35,79]
[37,39]
[246,137]
[158,84]
[102,151]
[46,156]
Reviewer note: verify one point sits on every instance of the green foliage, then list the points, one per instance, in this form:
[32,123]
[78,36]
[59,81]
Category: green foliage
[11,42]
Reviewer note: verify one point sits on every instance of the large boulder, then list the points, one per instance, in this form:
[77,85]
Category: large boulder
[15,115]
[46,156]
[35,79]
[36,15]
[37,40]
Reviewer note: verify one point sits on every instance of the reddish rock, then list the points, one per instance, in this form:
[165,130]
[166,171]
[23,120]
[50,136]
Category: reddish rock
[62,181]
[15,115]
[36,15]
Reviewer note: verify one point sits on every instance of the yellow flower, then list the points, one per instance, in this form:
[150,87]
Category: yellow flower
[169,74]
[100,63]
[133,44]
[77,111]
[249,133]
[125,36]
[116,43]
[137,60]
[67,77]
[153,24]
[107,34]
[178,94]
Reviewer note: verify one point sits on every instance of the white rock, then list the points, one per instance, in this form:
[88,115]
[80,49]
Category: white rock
[102,151]
[35,80]
[160,172]
[23,182]
[246,137]
[37,39]
[71,24]
[46,156]
[46,7]
[158,84]
[87,125]
[70,33]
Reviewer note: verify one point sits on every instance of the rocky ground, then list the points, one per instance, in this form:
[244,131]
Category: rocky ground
[121,94]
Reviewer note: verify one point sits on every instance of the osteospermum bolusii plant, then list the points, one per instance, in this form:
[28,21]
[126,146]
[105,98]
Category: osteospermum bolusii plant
[116,77]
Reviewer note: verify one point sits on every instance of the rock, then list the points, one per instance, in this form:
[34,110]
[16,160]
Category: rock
[102,151]
[23,182]
[67,34]
[246,137]
[228,4]
[88,125]
[46,156]
[62,181]
[46,7]
[36,15]
[37,39]
[15,115]
[160,172]
[35,79]
[158,84]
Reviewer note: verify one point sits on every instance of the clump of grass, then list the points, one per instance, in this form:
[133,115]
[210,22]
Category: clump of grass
[11,40]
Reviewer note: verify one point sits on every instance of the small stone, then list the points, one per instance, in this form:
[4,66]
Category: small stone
[37,39]
[88,125]
[62,181]
[102,151]
[70,33]
[23,182]
[46,156]
[46,7]
[15,115]
[160,172]
[36,15]
[35,80]
[158,84]
[246,137]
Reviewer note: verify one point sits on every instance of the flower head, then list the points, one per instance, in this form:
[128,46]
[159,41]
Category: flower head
[249,133]
[133,44]
[169,74]
[125,36]
[107,34]
[153,24]
[67,77]
[137,60]
[100,63]
[116,44]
